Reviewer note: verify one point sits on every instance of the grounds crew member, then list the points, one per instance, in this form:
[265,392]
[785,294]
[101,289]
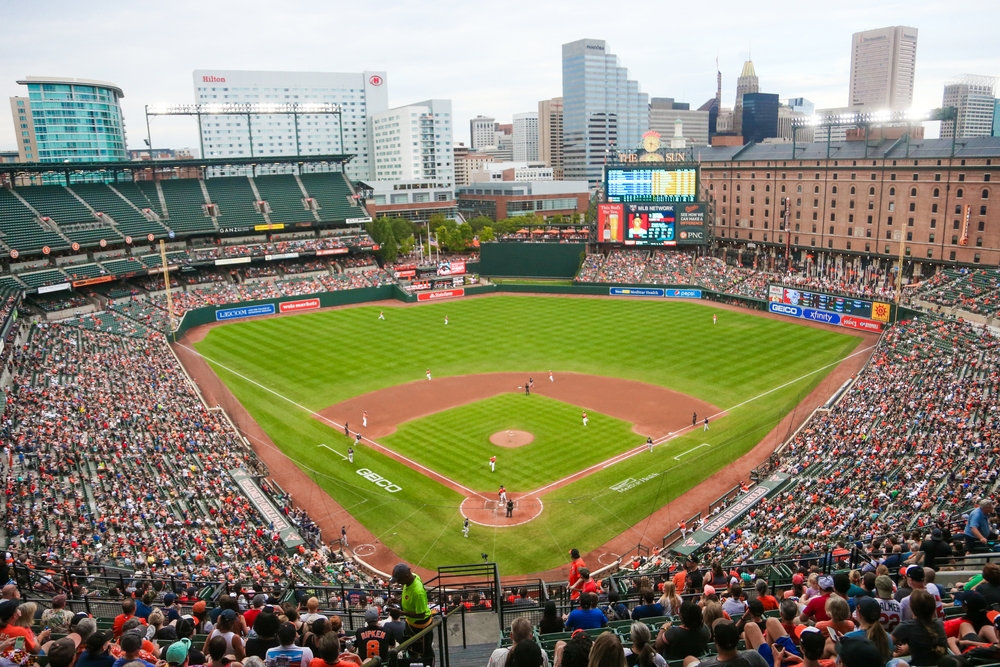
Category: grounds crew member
[417,614]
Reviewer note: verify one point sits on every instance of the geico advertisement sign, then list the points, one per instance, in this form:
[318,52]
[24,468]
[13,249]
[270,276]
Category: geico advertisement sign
[785,309]
[379,480]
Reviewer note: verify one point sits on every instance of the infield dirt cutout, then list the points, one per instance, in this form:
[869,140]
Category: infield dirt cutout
[654,411]
[512,438]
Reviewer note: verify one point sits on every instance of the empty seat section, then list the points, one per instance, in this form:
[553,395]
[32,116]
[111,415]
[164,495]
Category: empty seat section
[20,227]
[185,206]
[123,266]
[236,201]
[73,218]
[143,194]
[84,271]
[333,195]
[130,222]
[40,278]
[282,192]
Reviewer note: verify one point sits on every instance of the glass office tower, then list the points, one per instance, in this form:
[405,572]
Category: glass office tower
[603,111]
[69,119]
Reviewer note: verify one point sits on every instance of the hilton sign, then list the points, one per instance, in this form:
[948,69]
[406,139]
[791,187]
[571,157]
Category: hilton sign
[213,79]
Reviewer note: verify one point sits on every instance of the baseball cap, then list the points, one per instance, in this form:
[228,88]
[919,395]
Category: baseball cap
[177,652]
[798,579]
[858,652]
[973,601]
[7,609]
[61,652]
[826,583]
[401,570]
[693,558]
[96,641]
[869,609]
[883,584]
[259,600]
[708,589]
[574,553]
[199,606]
[915,572]
[371,614]
[169,599]
[229,615]
[806,629]
[937,534]
[993,616]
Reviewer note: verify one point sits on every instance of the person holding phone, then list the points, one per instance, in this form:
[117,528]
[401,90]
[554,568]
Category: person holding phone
[9,614]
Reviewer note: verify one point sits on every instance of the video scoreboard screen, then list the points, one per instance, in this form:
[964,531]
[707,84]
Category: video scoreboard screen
[835,309]
[651,184]
[651,224]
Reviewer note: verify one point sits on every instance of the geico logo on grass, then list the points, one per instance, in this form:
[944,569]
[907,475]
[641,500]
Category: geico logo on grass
[379,480]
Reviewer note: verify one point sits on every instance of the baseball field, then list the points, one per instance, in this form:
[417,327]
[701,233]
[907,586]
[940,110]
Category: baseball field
[639,369]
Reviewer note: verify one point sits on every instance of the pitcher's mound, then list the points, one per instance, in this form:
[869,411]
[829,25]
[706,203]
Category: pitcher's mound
[511,438]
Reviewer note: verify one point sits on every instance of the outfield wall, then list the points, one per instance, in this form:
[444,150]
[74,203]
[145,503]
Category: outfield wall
[531,260]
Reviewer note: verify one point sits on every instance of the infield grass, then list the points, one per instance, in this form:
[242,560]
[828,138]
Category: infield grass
[322,358]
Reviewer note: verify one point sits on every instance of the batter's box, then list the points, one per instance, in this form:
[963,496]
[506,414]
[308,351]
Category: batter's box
[491,505]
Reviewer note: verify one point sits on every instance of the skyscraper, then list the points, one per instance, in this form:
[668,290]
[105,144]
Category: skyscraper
[414,143]
[482,132]
[550,135]
[664,111]
[602,109]
[526,137]
[973,97]
[65,119]
[883,63]
[746,83]
[760,117]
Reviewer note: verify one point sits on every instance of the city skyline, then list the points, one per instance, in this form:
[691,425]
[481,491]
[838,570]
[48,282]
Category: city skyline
[152,51]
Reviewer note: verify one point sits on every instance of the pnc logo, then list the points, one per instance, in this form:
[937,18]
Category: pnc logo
[378,480]
[213,79]
[375,80]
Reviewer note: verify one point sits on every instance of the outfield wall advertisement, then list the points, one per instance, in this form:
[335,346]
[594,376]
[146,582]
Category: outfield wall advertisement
[834,309]
[655,291]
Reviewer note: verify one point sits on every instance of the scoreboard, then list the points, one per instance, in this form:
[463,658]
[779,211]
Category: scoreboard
[651,184]
[833,309]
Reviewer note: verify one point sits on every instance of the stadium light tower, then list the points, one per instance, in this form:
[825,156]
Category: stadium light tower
[868,119]
[248,111]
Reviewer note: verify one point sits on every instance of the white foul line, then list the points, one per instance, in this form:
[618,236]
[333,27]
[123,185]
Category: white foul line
[333,450]
[678,457]
[330,421]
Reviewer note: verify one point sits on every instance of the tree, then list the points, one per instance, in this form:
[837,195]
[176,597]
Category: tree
[380,230]
[406,245]
[464,235]
[402,229]
[479,222]
[486,234]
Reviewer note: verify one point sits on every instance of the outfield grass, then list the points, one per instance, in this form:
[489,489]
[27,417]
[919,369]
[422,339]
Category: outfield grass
[456,442]
[319,359]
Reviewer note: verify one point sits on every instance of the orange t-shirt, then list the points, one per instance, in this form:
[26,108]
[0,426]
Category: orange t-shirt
[15,631]
[680,580]
[574,575]
[769,601]
[842,627]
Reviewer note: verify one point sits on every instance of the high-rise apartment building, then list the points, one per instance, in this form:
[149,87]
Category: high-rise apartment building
[550,135]
[973,98]
[360,96]
[747,82]
[801,105]
[414,143]
[883,63]
[760,117]
[526,137]
[663,111]
[603,110]
[65,119]
[482,132]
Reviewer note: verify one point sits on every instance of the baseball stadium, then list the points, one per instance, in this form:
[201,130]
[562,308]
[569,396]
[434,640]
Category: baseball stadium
[235,385]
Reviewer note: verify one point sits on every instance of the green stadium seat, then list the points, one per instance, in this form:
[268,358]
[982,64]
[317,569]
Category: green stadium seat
[73,219]
[128,220]
[235,199]
[333,196]
[21,229]
[283,194]
[185,205]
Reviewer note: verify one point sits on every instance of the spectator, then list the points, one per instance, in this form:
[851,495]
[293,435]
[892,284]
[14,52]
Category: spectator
[62,653]
[287,653]
[396,627]
[727,638]
[977,529]
[585,583]
[586,617]
[250,615]
[330,654]
[650,608]
[607,651]
[9,613]
[574,572]
[754,615]
[916,576]
[868,613]
[128,611]
[170,608]
[520,630]
[616,609]
[922,637]
[935,551]
[131,645]
[670,601]
[551,621]
[177,653]
[526,654]
[642,652]
[839,613]
[769,602]
[575,652]
[816,608]
[96,653]
[265,635]
[734,604]
[312,611]
[226,630]
[414,607]
[691,637]
[143,606]
[860,652]
[990,586]
[58,618]
[974,628]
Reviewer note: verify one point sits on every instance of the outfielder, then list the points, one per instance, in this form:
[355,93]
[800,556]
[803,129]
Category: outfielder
[381,315]
[584,417]
[446,320]
[428,374]
[551,379]
[493,464]
[465,528]
[350,455]
[715,319]
[649,443]
[364,419]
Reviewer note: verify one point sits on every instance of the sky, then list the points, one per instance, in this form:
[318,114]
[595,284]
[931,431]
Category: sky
[494,59]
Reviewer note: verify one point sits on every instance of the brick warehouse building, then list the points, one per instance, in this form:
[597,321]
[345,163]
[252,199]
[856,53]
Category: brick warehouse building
[848,199]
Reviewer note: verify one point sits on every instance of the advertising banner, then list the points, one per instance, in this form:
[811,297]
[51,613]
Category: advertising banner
[684,293]
[357,221]
[691,215]
[287,531]
[45,289]
[636,291]
[93,281]
[224,314]
[296,306]
[453,268]
[283,255]
[610,223]
[266,227]
[232,260]
[332,251]
[833,309]
[443,294]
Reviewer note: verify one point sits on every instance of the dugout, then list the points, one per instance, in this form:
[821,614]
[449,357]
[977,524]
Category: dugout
[531,260]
